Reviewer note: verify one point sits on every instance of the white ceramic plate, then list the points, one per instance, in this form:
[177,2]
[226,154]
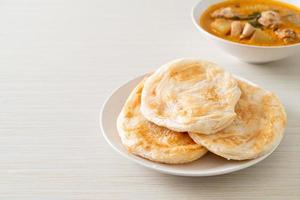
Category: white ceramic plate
[208,165]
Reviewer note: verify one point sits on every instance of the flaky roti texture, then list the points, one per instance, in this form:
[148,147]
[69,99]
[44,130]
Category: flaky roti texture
[257,129]
[190,95]
[153,142]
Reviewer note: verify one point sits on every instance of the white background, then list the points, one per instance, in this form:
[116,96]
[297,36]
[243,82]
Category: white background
[59,61]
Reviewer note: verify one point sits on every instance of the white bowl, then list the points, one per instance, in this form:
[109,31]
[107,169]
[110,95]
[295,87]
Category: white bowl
[208,165]
[247,53]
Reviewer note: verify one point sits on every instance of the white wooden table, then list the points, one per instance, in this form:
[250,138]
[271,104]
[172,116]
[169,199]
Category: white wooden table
[60,59]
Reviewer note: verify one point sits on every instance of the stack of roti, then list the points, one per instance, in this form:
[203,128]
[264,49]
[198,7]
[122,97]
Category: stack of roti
[189,107]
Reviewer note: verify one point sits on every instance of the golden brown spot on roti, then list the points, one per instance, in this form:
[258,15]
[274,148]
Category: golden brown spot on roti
[188,73]
[210,94]
[153,92]
[199,111]
[128,113]
[247,112]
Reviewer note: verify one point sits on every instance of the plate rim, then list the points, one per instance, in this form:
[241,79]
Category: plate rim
[153,166]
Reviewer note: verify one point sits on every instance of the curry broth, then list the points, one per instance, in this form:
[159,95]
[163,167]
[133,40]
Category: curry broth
[246,7]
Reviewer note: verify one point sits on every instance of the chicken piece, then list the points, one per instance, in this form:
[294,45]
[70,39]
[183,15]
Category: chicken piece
[223,13]
[247,31]
[270,19]
[236,28]
[286,34]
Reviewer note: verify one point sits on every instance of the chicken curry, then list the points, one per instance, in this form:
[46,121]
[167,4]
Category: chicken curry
[254,22]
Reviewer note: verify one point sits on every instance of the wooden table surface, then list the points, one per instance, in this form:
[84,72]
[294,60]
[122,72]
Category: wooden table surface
[59,61]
